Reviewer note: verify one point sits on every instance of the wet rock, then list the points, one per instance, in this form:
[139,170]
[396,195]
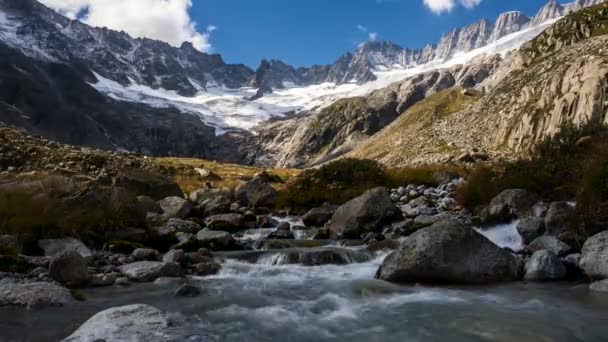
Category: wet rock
[531,228]
[561,218]
[549,243]
[147,271]
[188,290]
[317,217]
[101,280]
[9,245]
[215,240]
[599,286]
[572,263]
[366,213]
[388,244]
[54,247]
[226,222]
[33,295]
[175,207]
[544,266]
[508,205]
[207,268]
[315,256]
[267,222]
[270,244]
[283,231]
[70,269]
[142,254]
[127,323]
[176,256]
[257,192]
[175,225]
[594,256]
[122,282]
[450,253]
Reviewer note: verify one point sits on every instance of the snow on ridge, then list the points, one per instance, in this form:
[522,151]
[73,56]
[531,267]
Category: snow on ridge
[227,109]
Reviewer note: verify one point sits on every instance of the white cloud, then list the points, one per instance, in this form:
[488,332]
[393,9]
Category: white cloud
[362,28]
[373,36]
[166,20]
[440,6]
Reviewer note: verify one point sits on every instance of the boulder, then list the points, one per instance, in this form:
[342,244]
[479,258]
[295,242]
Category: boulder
[366,213]
[508,205]
[216,206]
[147,271]
[572,263]
[317,217]
[599,286]
[141,254]
[33,295]
[226,222]
[54,247]
[188,290]
[594,256]
[148,205]
[449,253]
[175,207]
[215,240]
[176,256]
[202,195]
[257,192]
[207,268]
[549,243]
[9,245]
[70,269]
[176,225]
[544,266]
[136,322]
[561,218]
[531,228]
[144,183]
[283,231]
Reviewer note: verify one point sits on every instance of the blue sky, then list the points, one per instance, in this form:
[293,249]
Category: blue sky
[306,32]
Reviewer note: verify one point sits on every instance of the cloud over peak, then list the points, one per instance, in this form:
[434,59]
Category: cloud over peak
[440,6]
[166,20]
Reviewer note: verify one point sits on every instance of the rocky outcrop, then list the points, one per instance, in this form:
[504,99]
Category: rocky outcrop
[366,213]
[509,22]
[594,256]
[33,295]
[147,271]
[449,253]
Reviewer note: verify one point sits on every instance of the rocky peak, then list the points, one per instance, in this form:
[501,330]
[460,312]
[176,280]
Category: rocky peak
[551,10]
[475,35]
[509,22]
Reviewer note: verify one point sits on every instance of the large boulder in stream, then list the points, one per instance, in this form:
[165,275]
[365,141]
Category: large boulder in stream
[594,256]
[545,266]
[449,253]
[366,213]
[147,271]
[55,247]
[257,192]
[136,322]
[561,218]
[33,295]
[508,205]
[69,269]
[317,217]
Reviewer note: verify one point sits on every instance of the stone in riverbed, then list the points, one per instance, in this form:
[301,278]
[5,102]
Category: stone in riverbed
[226,222]
[508,205]
[147,271]
[54,247]
[317,217]
[366,213]
[257,192]
[561,218]
[531,228]
[544,266]
[207,268]
[550,243]
[127,323]
[177,256]
[449,253]
[69,269]
[594,256]
[175,207]
[33,295]
[175,225]
[599,286]
[141,254]
[188,290]
[215,240]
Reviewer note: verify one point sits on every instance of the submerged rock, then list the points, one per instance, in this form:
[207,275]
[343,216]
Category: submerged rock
[449,253]
[127,323]
[545,266]
[33,295]
[366,213]
[147,271]
[594,256]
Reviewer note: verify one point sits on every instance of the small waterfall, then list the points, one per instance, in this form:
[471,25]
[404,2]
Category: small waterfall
[314,256]
[504,235]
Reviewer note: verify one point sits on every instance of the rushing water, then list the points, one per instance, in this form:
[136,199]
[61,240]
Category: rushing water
[261,302]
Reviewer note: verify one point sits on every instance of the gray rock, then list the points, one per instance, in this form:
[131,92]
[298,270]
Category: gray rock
[450,253]
[218,205]
[33,295]
[176,256]
[101,280]
[149,205]
[207,268]
[122,281]
[69,269]
[561,218]
[366,213]
[141,254]
[317,217]
[54,247]
[147,271]
[175,207]
[544,266]
[175,225]
[206,194]
[215,240]
[257,192]
[188,290]
[423,221]
[127,323]
[531,228]
[599,286]
[594,256]
[507,205]
[549,243]
[226,222]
